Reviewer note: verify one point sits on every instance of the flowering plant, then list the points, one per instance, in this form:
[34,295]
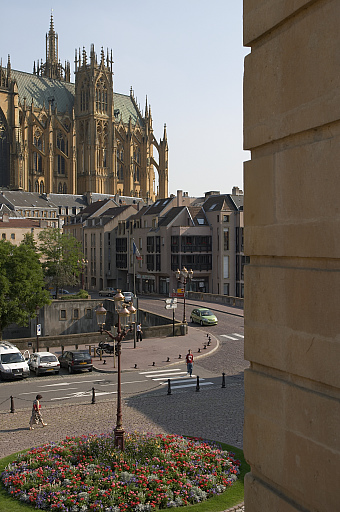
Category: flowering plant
[89,474]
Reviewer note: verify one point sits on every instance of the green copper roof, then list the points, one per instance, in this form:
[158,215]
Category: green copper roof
[43,90]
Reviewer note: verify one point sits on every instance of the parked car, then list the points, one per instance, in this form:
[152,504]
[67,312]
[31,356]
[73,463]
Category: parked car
[75,360]
[12,363]
[203,316]
[107,292]
[61,291]
[43,362]
[128,296]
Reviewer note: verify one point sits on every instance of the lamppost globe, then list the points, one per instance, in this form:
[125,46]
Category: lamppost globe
[131,308]
[101,316]
[119,297]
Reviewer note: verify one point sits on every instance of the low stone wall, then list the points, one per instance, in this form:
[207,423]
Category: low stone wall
[220,299]
[162,330]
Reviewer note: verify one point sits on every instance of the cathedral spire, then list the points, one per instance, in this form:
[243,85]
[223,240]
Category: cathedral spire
[52,67]
[52,48]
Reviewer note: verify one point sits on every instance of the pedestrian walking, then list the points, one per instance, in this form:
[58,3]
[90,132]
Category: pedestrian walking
[36,414]
[190,362]
[139,332]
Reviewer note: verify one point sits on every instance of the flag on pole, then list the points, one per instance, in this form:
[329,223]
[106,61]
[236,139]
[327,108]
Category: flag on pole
[136,252]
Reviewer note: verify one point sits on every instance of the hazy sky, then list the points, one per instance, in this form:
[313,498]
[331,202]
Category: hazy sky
[185,55]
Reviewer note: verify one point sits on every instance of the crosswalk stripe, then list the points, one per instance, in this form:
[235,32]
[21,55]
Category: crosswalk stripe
[236,334]
[173,378]
[165,375]
[191,385]
[229,337]
[160,371]
[179,379]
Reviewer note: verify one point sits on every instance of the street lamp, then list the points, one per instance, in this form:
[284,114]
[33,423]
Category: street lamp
[83,264]
[123,312]
[182,276]
[133,311]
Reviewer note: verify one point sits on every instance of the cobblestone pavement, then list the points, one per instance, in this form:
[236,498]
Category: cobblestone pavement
[212,413]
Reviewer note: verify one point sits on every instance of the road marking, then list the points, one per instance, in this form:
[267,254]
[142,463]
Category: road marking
[69,383]
[166,375]
[229,337]
[45,391]
[128,382]
[172,378]
[160,371]
[191,385]
[179,378]
[82,394]
[236,334]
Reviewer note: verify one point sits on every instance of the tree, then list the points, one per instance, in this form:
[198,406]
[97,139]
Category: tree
[22,285]
[61,257]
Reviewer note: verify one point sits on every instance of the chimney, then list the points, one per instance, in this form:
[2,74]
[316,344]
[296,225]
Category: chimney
[179,197]
[237,191]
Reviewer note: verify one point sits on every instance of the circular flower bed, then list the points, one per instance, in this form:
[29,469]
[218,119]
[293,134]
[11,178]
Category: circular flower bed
[89,474]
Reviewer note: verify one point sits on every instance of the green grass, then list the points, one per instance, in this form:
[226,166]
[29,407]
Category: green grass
[233,496]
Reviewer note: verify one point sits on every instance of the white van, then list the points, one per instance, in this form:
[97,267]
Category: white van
[12,363]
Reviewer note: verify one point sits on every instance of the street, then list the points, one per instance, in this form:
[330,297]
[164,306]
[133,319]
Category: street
[228,359]
[215,412]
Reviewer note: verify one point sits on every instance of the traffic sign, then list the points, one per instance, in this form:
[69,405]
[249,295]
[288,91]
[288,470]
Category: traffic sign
[39,330]
[171,306]
[171,301]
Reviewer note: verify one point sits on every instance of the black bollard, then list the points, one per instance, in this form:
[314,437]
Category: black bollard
[93,397]
[12,404]
[205,346]
[153,364]
[199,350]
[198,384]
[180,356]
[168,359]
[223,380]
[135,365]
[169,387]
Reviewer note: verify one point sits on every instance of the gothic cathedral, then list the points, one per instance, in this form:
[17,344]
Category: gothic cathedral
[60,137]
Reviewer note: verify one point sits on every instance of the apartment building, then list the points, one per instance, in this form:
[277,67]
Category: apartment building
[225,216]
[94,227]
[205,236]
[14,229]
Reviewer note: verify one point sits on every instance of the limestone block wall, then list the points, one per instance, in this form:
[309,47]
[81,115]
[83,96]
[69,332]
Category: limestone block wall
[292,235]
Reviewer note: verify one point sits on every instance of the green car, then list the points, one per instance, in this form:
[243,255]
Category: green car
[203,316]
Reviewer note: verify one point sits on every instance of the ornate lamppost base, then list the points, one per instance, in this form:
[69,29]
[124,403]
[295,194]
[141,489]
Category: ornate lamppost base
[119,438]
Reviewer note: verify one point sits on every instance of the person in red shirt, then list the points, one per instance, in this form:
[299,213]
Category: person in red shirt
[190,362]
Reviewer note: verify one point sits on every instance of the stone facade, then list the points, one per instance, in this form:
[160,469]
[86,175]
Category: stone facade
[292,299]
[65,138]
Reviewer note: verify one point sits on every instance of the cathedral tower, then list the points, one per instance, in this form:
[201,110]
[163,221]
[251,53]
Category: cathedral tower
[94,122]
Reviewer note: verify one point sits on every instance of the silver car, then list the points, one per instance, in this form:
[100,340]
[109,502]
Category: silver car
[43,362]
[128,296]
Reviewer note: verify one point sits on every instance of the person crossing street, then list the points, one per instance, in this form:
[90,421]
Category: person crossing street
[190,362]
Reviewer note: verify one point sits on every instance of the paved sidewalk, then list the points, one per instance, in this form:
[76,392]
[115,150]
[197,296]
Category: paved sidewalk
[159,352]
